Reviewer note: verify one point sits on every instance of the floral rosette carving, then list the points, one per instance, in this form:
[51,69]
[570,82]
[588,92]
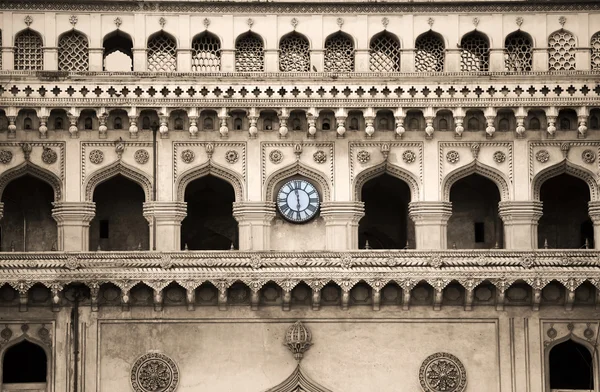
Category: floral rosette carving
[320,156]
[409,156]
[231,156]
[542,156]
[588,156]
[499,157]
[363,156]
[346,262]
[154,372]
[276,156]
[452,156]
[188,156]
[49,156]
[5,156]
[96,157]
[442,372]
[141,156]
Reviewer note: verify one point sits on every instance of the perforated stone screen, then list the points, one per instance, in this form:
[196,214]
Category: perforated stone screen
[429,53]
[294,53]
[162,53]
[73,52]
[561,51]
[518,52]
[339,53]
[475,52]
[206,53]
[249,53]
[384,53]
[28,51]
[595,48]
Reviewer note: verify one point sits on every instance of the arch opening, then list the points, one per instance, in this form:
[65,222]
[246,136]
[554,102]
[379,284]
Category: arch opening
[518,52]
[475,222]
[384,53]
[565,223]
[118,52]
[339,53]
[562,48]
[29,53]
[294,53]
[24,363]
[429,52]
[571,367]
[119,223]
[162,53]
[475,52]
[249,53]
[206,53]
[209,224]
[73,52]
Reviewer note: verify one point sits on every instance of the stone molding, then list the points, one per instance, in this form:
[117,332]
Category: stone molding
[254,211]
[165,211]
[593,211]
[298,381]
[342,211]
[74,213]
[512,212]
[429,211]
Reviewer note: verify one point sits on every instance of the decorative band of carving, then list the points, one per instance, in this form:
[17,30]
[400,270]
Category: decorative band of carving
[174,211]
[342,211]
[429,211]
[511,211]
[254,211]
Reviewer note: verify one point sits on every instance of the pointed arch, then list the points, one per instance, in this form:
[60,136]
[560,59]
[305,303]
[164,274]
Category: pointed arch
[565,167]
[26,338]
[384,52]
[116,168]
[249,52]
[298,381]
[595,49]
[518,51]
[430,49]
[28,168]
[117,40]
[162,52]
[562,48]
[294,53]
[476,167]
[29,53]
[475,52]
[210,168]
[297,168]
[339,52]
[395,171]
[73,51]
[206,52]
[576,339]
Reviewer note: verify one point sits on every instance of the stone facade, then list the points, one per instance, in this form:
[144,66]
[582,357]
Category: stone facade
[148,241]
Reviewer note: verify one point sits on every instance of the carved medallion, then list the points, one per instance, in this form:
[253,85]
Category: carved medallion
[49,156]
[363,156]
[442,372]
[588,156]
[187,156]
[5,156]
[409,156]
[320,156]
[452,156]
[276,156]
[141,156]
[499,157]
[231,156]
[96,157]
[44,335]
[154,372]
[6,333]
[542,156]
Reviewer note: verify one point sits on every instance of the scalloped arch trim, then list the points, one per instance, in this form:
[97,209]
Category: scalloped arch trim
[297,169]
[386,168]
[28,168]
[565,167]
[115,169]
[476,167]
[298,382]
[210,168]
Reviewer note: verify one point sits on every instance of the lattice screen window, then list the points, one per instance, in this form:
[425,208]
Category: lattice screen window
[28,51]
[518,52]
[162,53]
[73,54]
[429,56]
[249,53]
[339,53]
[384,53]
[561,51]
[294,53]
[206,53]
[595,47]
[475,52]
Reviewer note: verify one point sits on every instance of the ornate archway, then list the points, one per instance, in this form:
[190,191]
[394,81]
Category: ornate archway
[112,170]
[28,168]
[297,168]
[213,169]
[564,167]
[387,168]
[483,170]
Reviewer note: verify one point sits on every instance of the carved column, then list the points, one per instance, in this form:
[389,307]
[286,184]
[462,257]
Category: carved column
[253,115]
[133,128]
[166,216]
[8,57]
[163,130]
[223,129]
[431,223]
[369,115]
[582,118]
[551,116]
[399,116]
[520,115]
[459,118]
[193,116]
[254,224]
[96,59]
[429,115]
[520,223]
[594,212]
[73,116]
[73,224]
[340,117]
[311,118]
[1,211]
[283,115]
[341,224]
[102,128]
[490,117]
[12,127]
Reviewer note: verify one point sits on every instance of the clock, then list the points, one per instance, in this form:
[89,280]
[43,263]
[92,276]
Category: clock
[298,201]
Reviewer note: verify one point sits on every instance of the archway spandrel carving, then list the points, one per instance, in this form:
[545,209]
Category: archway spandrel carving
[28,168]
[564,167]
[210,168]
[476,167]
[114,169]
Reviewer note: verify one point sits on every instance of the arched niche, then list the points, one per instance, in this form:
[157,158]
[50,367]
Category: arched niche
[384,52]
[112,170]
[561,168]
[392,170]
[213,169]
[297,169]
[118,51]
[476,167]
[26,364]
[571,365]
[28,168]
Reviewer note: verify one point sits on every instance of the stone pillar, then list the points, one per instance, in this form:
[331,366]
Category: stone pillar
[184,60]
[8,58]
[497,63]
[254,224]
[227,60]
[407,60]
[271,60]
[520,220]
[431,223]
[540,59]
[583,59]
[50,58]
[73,223]
[452,60]
[341,224]
[139,60]
[164,218]
[317,60]
[594,212]
[96,59]
[361,60]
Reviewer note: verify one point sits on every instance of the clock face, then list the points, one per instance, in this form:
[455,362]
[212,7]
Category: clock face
[298,201]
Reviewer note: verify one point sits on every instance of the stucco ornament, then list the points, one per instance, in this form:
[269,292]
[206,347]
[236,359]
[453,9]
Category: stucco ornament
[96,157]
[588,156]
[49,156]
[28,20]
[231,156]
[298,339]
[452,156]
[346,262]
[154,372]
[436,262]
[255,262]
[5,156]
[276,156]
[187,156]
[527,262]
[320,156]
[542,156]
[409,156]
[72,263]
[166,261]
[499,157]
[363,156]
[141,156]
[73,20]
[442,372]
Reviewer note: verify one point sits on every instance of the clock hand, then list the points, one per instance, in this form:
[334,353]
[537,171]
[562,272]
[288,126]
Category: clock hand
[297,200]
